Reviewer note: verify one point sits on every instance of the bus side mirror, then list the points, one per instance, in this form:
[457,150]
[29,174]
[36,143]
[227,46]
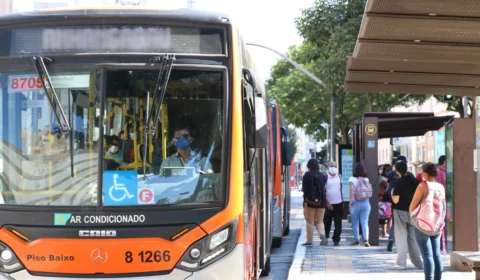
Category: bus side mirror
[249,78]
[261,129]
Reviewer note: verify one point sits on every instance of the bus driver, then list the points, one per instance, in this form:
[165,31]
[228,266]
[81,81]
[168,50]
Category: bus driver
[185,155]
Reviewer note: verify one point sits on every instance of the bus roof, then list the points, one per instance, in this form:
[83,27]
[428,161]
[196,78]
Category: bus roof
[116,12]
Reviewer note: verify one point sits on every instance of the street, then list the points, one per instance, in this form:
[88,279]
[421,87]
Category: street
[281,258]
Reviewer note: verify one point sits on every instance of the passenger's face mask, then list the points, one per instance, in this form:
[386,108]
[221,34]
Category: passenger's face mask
[332,170]
[182,143]
[113,149]
[380,172]
[131,135]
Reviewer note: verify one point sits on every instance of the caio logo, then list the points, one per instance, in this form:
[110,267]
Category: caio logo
[370,129]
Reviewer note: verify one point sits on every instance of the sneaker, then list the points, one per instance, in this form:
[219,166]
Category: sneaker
[399,267]
[390,245]
[366,243]
[324,240]
[307,244]
[336,244]
[355,243]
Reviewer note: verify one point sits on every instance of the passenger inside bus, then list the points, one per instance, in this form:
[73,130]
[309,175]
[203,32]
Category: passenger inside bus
[113,151]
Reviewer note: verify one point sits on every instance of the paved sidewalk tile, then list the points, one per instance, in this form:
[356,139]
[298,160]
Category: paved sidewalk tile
[356,262]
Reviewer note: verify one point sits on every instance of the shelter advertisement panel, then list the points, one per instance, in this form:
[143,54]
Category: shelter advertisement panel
[346,166]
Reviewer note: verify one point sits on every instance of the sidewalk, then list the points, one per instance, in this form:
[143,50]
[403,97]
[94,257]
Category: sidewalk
[356,262]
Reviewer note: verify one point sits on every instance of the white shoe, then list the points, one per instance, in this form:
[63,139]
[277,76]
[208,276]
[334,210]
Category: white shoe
[399,267]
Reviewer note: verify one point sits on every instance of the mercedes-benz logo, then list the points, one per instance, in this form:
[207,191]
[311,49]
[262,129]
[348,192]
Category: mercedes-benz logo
[99,256]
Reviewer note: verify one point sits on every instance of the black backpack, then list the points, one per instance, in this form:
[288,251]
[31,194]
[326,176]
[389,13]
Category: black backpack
[314,196]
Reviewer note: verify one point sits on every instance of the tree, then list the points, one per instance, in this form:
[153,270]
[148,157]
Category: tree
[330,29]
[292,137]
[456,105]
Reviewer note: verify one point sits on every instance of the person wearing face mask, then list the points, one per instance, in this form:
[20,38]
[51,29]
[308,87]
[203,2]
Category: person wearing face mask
[113,151]
[334,202]
[185,155]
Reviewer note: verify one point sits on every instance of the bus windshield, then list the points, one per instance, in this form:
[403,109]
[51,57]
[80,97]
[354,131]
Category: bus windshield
[43,165]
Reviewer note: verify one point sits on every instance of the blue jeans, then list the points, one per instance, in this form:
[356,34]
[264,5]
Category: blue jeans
[360,211]
[430,249]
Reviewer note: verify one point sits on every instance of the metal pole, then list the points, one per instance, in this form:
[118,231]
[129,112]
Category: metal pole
[291,62]
[332,117]
[332,128]
[465,106]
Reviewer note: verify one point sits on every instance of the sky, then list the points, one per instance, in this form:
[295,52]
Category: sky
[266,22]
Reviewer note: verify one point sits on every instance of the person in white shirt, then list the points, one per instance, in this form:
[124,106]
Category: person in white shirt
[334,211]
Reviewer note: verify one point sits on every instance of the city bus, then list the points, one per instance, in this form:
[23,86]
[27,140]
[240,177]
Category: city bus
[135,143]
[281,175]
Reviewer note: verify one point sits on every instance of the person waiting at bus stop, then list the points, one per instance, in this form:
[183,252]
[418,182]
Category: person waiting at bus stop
[392,179]
[314,201]
[185,155]
[402,196]
[334,203]
[359,209]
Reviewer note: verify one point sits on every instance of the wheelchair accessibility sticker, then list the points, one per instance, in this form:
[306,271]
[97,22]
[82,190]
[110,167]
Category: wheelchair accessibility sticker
[120,188]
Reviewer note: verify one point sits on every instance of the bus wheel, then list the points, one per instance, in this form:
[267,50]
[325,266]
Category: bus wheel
[287,229]
[277,242]
[266,270]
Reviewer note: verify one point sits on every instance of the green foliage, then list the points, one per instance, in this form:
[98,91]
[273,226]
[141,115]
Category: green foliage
[292,137]
[330,29]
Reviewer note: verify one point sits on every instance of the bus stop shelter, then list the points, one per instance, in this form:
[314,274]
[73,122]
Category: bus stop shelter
[375,126]
[418,47]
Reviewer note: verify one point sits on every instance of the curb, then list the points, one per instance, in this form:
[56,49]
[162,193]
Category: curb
[296,268]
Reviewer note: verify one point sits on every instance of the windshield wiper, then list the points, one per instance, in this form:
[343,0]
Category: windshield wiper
[39,64]
[42,71]
[166,63]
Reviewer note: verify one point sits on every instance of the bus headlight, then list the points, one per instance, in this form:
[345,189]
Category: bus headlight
[218,238]
[210,248]
[8,261]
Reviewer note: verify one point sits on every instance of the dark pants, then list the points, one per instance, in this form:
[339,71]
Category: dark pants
[336,215]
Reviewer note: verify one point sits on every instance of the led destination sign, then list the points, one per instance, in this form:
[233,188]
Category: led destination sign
[111,39]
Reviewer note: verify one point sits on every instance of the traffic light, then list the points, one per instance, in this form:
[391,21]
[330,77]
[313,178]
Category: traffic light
[448,98]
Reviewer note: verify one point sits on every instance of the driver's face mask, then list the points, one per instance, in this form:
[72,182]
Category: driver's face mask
[182,140]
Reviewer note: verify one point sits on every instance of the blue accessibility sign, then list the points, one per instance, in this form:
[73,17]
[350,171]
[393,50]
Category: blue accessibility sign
[371,144]
[120,188]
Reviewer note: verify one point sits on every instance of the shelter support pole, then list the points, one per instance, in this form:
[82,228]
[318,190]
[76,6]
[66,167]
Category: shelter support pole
[465,106]
[370,144]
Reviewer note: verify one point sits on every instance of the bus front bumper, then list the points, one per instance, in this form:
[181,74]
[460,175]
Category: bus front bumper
[231,266]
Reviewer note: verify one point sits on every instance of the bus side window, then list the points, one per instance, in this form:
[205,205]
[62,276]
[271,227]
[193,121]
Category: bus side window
[248,126]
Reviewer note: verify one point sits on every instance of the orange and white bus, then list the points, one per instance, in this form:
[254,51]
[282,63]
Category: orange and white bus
[134,143]
[280,174]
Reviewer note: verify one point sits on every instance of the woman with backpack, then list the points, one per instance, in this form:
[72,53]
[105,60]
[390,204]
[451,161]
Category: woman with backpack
[428,210]
[314,201]
[360,192]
